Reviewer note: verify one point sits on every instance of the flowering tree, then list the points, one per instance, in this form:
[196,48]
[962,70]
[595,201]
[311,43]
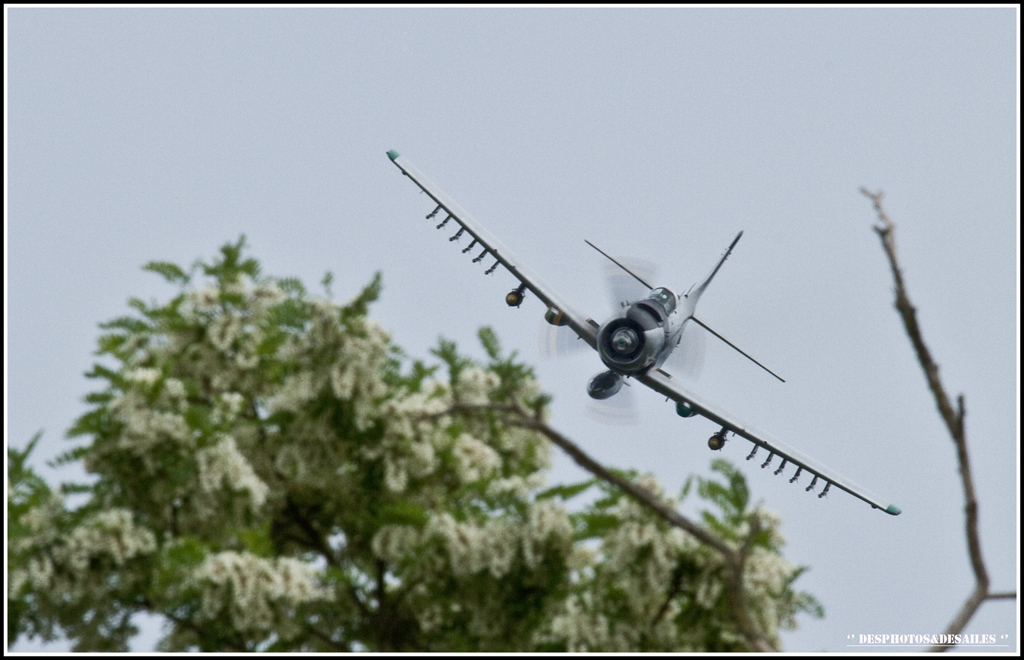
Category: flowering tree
[273,474]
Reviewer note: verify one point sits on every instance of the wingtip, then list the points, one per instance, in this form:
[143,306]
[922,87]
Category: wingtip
[893,510]
[392,154]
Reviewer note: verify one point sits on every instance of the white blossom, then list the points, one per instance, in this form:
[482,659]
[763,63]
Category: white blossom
[205,299]
[460,540]
[343,379]
[111,533]
[396,478]
[514,486]
[252,590]
[296,391]
[474,459]
[227,408]
[500,540]
[422,458]
[224,463]
[247,356]
[475,385]
[146,376]
[145,427]
[234,285]
[266,295]
[175,391]
[223,330]
[547,523]
[395,543]
[291,463]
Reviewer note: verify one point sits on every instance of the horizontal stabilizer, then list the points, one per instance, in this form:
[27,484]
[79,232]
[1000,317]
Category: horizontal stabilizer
[734,346]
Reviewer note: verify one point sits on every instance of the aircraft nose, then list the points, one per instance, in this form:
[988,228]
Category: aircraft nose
[624,340]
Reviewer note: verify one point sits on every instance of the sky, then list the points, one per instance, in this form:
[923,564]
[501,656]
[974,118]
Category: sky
[657,133]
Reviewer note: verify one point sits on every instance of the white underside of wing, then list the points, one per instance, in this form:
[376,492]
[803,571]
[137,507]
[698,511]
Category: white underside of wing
[662,382]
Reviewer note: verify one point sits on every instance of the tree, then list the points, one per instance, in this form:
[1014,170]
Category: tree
[954,420]
[272,473]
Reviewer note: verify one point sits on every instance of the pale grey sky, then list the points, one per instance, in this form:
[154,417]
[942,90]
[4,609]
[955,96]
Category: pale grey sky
[160,134]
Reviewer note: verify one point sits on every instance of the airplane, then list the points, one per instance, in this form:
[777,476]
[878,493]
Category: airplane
[636,341]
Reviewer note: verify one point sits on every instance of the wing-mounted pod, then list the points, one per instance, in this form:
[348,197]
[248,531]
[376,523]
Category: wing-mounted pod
[604,385]
[555,317]
[683,409]
[717,441]
[515,297]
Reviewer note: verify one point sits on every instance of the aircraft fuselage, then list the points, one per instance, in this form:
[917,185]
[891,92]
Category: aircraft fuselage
[644,334]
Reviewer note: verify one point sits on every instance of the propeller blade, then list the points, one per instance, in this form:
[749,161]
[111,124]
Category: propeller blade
[556,341]
[688,357]
[559,341]
[622,286]
[617,410]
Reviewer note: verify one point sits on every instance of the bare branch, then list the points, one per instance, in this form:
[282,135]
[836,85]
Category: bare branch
[886,231]
[954,420]
[1002,594]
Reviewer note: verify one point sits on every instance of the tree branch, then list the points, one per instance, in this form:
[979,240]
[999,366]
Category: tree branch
[325,638]
[954,420]
[238,646]
[516,415]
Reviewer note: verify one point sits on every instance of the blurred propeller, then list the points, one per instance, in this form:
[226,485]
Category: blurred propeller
[558,341]
[617,410]
[688,357]
[623,289]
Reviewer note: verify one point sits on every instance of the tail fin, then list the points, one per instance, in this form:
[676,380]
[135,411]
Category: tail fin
[698,289]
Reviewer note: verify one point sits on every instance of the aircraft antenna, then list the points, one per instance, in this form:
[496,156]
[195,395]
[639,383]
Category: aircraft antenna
[701,324]
[618,264]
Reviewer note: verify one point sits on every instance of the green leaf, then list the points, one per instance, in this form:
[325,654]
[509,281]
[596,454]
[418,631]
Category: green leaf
[326,282]
[291,285]
[69,456]
[567,491]
[171,272]
[402,512]
[99,371]
[138,304]
[187,551]
[257,541]
[490,342]
[593,524]
[359,305]
[129,323]
[449,353]
[95,422]
[16,459]
[25,490]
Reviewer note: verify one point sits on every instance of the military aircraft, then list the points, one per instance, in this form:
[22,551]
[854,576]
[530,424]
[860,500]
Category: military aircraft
[636,341]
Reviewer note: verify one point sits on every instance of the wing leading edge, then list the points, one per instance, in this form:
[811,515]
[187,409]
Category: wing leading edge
[581,324]
[663,383]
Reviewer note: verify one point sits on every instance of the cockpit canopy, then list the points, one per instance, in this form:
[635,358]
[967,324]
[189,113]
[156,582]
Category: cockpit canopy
[663,297]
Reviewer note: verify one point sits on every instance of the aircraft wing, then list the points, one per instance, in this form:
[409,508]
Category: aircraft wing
[662,382]
[581,324]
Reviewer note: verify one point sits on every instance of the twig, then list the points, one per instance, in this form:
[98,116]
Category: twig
[954,420]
